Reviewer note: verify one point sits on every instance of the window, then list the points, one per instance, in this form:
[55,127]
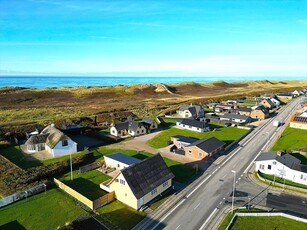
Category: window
[198,128]
[153,192]
[137,132]
[190,127]
[274,162]
[64,142]
[261,166]
[118,165]
[123,182]
[190,151]
[270,167]
[113,131]
[165,184]
[200,154]
[302,176]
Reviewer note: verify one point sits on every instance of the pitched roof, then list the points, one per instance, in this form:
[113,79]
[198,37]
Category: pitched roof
[54,137]
[245,109]
[147,175]
[128,160]
[194,123]
[208,144]
[128,125]
[269,102]
[194,109]
[284,95]
[235,116]
[121,126]
[185,139]
[285,159]
[148,120]
[37,139]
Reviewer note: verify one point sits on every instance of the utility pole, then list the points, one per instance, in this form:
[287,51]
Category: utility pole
[71,174]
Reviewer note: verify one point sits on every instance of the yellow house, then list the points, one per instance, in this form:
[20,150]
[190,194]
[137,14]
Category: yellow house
[141,182]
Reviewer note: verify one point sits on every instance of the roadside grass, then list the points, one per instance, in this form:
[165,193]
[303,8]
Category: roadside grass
[182,172]
[15,155]
[280,180]
[264,222]
[86,183]
[44,211]
[117,215]
[226,134]
[291,139]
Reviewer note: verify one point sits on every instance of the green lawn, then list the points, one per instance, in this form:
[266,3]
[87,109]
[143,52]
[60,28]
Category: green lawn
[104,131]
[42,211]
[86,183]
[280,180]
[117,215]
[274,222]
[226,134]
[14,154]
[291,139]
[182,172]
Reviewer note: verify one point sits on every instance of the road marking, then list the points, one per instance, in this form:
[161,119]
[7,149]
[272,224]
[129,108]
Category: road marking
[197,206]
[201,183]
[168,214]
[214,211]
[177,227]
[224,176]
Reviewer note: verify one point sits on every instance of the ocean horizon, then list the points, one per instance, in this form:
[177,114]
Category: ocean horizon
[78,81]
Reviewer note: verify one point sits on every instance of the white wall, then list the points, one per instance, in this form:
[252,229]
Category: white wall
[282,171]
[113,131]
[140,131]
[114,163]
[195,129]
[60,150]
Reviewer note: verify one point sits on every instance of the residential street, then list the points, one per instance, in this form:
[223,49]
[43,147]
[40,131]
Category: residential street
[203,200]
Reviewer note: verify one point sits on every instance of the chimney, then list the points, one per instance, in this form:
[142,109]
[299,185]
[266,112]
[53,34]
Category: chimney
[279,153]
[52,125]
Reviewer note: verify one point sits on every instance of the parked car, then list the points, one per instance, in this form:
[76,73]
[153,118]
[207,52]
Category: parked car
[227,124]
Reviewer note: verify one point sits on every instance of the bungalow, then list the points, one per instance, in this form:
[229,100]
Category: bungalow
[284,97]
[235,118]
[141,182]
[281,165]
[132,128]
[193,125]
[149,124]
[53,141]
[191,111]
[275,101]
[212,105]
[267,103]
[204,148]
[223,107]
[260,113]
[245,111]
[119,161]
[299,121]
[181,141]
[296,93]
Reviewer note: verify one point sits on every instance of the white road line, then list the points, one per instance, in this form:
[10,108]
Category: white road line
[201,183]
[168,214]
[252,162]
[214,211]
[197,206]
[177,227]
[224,176]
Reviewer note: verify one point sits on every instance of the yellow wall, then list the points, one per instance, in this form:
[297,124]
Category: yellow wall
[298,125]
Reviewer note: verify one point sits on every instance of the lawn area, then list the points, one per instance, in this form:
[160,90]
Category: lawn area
[86,183]
[42,211]
[14,154]
[226,134]
[291,139]
[274,222]
[182,172]
[280,180]
[104,131]
[117,215]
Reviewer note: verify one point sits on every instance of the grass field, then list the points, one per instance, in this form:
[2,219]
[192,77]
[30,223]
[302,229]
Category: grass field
[86,183]
[276,222]
[226,134]
[117,215]
[14,154]
[43,211]
[182,172]
[291,139]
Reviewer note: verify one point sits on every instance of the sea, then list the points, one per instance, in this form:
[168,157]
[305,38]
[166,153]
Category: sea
[75,81]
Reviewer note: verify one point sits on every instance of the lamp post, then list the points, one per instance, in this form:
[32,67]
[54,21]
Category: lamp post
[233,189]
[71,174]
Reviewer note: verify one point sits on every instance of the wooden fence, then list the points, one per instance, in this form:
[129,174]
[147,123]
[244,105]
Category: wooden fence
[101,201]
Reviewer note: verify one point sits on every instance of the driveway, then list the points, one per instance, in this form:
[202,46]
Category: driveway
[140,144]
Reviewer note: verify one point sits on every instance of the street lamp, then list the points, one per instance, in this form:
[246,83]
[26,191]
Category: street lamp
[233,189]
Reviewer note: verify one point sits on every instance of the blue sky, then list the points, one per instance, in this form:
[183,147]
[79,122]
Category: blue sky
[153,38]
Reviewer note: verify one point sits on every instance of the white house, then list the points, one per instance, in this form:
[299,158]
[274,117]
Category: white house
[119,160]
[193,125]
[283,166]
[235,118]
[132,128]
[275,101]
[52,140]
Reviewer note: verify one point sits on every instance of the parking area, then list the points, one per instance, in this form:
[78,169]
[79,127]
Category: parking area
[88,141]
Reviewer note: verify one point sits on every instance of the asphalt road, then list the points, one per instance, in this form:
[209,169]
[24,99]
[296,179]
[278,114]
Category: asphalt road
[203,202]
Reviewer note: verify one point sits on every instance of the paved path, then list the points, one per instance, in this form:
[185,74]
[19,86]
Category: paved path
[195,206]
